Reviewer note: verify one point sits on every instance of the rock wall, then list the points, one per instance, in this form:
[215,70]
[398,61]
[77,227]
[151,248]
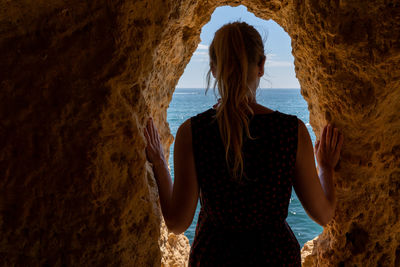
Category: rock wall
[78,80]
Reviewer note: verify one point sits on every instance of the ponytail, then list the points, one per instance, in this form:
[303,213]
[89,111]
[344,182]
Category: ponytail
[235,46]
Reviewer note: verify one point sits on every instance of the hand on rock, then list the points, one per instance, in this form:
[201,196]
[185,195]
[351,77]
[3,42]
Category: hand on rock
[327,149]
[154,149]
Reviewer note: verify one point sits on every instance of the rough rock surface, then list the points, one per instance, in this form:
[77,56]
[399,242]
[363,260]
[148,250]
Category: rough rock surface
[79,79]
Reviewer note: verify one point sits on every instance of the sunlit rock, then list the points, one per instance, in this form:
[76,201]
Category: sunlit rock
[79,79]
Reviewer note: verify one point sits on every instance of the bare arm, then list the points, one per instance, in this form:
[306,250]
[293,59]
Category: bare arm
[179,200]
[317,193]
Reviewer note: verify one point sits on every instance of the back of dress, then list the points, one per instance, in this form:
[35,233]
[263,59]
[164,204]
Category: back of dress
[242,222]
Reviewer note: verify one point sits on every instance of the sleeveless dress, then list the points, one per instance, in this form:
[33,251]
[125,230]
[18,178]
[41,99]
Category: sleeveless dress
[243,222]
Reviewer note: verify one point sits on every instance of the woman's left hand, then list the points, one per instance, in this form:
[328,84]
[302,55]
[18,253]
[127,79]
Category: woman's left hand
[154,149]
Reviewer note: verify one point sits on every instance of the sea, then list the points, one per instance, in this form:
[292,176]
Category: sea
[189,102]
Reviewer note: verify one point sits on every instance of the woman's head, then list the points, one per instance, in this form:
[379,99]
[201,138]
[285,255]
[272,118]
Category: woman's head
[236,51]
[237,63]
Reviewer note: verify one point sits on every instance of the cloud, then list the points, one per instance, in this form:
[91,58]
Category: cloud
[273,63]
[202,47]
[201,53]
[201,59]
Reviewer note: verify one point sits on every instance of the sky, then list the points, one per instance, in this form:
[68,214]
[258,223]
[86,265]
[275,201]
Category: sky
[279,67]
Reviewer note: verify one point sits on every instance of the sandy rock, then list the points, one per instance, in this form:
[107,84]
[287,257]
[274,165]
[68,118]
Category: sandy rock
[78,81]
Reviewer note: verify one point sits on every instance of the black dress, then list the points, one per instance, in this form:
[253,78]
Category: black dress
[242,222]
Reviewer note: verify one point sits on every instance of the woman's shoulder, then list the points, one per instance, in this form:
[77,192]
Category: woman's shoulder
[209,113]
[269,113]
[260,110]
[286,115]
[277,122]
[288,120]
[203,119]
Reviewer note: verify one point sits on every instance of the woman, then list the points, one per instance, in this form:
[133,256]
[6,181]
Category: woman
[242,159]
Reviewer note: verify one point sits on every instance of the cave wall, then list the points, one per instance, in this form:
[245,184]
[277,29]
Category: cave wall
[78,81]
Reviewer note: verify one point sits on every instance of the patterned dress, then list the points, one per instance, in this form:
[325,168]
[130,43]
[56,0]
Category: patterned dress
[243,222]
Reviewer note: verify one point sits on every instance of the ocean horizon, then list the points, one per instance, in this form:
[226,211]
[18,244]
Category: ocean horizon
[187,102]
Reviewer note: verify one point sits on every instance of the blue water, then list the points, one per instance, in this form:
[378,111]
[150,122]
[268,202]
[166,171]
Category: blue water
[189,102]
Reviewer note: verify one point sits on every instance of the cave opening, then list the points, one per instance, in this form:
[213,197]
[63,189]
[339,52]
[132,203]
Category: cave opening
[279,89]
[80,80]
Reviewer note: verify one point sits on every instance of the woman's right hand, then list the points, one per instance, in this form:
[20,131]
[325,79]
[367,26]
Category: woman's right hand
[327,149]
[154,149]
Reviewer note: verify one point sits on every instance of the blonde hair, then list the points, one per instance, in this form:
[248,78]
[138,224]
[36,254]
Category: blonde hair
[235,47]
